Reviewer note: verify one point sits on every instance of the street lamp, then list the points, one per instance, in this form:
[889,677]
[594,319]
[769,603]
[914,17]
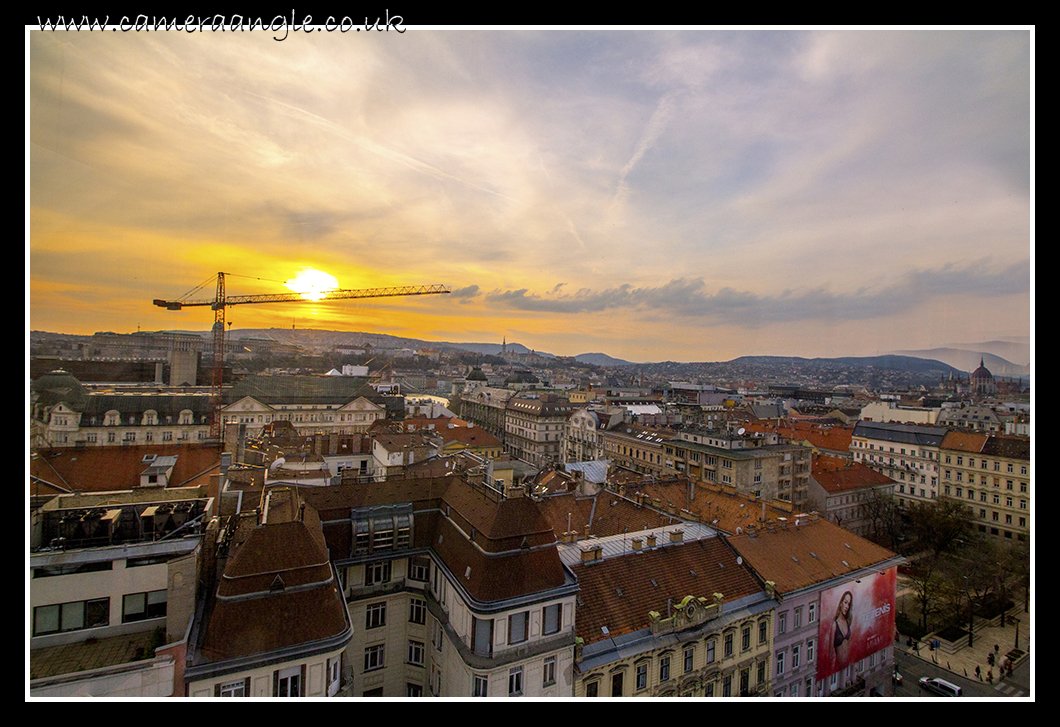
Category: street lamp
[968,592]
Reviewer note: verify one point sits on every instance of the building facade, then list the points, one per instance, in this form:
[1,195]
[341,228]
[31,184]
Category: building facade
[907,453]
[991,475]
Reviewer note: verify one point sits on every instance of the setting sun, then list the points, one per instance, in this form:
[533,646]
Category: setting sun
[313,284]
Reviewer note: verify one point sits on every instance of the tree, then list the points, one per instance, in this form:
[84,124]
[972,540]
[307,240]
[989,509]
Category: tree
[939,529]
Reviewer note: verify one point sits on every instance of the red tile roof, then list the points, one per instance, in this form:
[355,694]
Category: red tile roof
[837,475]
[102,469]
[798,556]
[619,592]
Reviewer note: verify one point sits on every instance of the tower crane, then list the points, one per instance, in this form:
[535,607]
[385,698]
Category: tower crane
[221,301]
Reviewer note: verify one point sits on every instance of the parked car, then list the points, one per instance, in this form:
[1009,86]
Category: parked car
[940,687]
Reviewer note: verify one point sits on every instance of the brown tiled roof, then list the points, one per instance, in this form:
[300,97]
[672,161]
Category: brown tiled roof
[964,441]
[619,592]
[834,438]
[258,609]
[103,469]
[990,445]
[710,504]
[604,514]
[796,557]
[471,436]
[837,475]
[496,577]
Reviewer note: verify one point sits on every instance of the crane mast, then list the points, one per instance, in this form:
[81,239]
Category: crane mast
[221,301]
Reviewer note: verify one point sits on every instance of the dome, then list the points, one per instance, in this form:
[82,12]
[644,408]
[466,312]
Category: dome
[476,375]
[982,373]
[56,386]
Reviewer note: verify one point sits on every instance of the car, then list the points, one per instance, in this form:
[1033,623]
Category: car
[940,687]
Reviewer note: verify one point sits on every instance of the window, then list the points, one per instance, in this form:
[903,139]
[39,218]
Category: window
[413,690]
[375,616]
[419,569]
[689,659]
[745,681]
[726,686]
[782,622]
[551,618]
[289,682]
[142,606]
[377,573]
[780,663]
[642,676]
[515,681]
[373,657]
[479,685]
[798,617]
[664,669]
[592,689]
[761,673]
[416,652]
[71,616]
[482,636]
[745,638]
[417,611]
[233,689]
[763,631]
[517,627]
[809,650]
[812,614]
[548,676]
[728,645]
[710,651]
[795,657]
[616,684]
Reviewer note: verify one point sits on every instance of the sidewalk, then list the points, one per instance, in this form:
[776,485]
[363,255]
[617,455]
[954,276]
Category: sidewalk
[966,658]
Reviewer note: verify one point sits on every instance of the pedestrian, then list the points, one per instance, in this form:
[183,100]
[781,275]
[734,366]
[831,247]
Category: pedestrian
[978,673]
[990,676]
[996,647]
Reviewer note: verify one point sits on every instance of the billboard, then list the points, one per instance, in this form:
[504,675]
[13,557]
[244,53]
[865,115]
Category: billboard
[857,619]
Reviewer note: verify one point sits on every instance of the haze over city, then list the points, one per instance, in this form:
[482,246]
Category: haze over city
[686,195]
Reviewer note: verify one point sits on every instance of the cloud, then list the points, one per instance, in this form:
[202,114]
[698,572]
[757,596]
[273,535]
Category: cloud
[688,297]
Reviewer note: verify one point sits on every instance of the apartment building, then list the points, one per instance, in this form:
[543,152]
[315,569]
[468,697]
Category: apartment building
[112,587]
[274,624]
[65,413]
[681,619]
[751,463]
[637,448]
[311,404]
[583,436]
[991,475]
[824,579]
[534,428]
[845,493]
[453,590]
[907,453]
[486,406]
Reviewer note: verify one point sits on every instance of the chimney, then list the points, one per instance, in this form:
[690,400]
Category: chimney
[651,540]
[638,544]
[592,553]
[677,536]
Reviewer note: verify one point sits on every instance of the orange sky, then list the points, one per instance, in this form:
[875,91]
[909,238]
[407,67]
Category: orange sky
[651,195]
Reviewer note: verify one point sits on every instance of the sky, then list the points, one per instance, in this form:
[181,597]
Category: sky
[685,195]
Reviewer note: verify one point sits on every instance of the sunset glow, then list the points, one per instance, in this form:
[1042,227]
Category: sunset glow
[656,195]
[312,284]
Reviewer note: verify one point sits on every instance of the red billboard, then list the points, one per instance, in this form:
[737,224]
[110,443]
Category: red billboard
[857,619]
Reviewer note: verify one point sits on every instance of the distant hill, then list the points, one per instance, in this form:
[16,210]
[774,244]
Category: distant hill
[601,359]
[967,360]
[900,363]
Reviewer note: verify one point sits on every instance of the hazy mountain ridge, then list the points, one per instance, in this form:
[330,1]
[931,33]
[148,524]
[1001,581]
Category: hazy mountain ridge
[968,359]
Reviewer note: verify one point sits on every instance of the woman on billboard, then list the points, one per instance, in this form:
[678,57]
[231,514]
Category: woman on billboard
[841,629]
